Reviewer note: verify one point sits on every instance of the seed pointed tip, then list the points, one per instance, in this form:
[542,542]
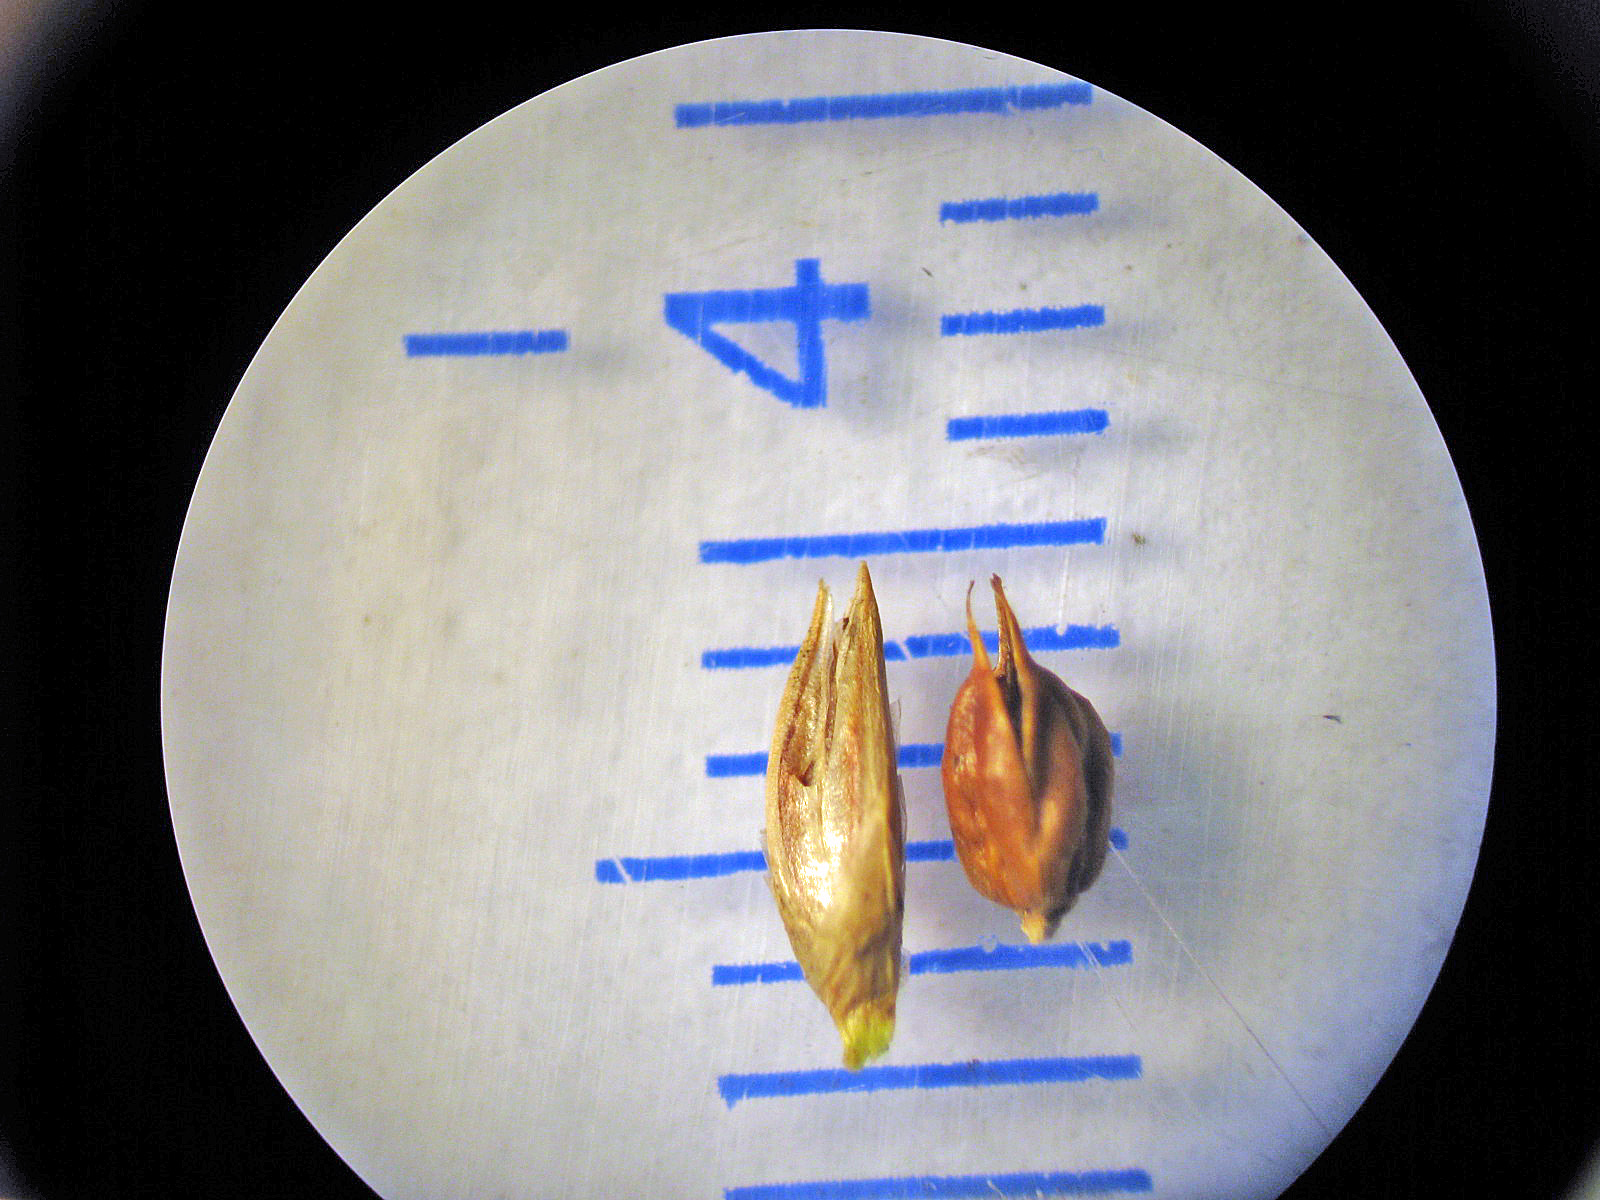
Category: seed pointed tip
[821,612]
[1013,650]
[862,623]
[1000,602]
[979,653]
[864,586]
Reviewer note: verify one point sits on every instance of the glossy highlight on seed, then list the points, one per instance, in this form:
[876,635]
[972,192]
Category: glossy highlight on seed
[835,836]
[1027,774]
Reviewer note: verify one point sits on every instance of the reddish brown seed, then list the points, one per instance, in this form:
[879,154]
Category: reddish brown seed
[1027,779]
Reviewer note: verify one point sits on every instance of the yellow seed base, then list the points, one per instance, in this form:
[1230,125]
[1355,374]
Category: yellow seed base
[866,1034]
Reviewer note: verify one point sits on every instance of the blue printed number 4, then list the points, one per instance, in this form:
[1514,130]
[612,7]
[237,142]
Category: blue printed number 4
[808,303]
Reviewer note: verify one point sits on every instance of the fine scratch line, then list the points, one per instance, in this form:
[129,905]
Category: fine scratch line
[996,101]
[927,645]
[766,1085]
[906,541]
[943,1187]
[952,961]
[1206,975]
[1014,208]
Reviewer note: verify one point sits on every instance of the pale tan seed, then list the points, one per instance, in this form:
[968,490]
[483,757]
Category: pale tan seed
[836,822]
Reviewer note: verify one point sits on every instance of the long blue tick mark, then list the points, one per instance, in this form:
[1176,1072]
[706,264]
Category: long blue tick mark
[677,866]
[667,867]
[1037,637]
[1014,208]
[954,960]
[1021,320]
[912,754]
[926,645]
[739,658]
[485,342]
[1033,424]
[766,1085]
[947,1187]
[744,551]
[1000,101]
[734,974]
[1076,955]
[727,766]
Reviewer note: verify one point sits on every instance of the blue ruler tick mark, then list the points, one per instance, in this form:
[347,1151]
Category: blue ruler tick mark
[906,541]
[1037,637]
[999,101]
[1021,320]
[768,1085]
[1019,208]
[670,867]
[945,1187]
[911,754]
[484,343]
[918,754]
[677,866]
[1032,424]
[1004,957]
[728,766]
[927,645]
[954,960]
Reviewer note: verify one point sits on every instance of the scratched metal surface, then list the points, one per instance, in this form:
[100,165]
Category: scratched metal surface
[474,641]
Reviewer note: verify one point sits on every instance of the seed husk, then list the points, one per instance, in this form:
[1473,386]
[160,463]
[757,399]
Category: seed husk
[1027,774]
[836,822]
